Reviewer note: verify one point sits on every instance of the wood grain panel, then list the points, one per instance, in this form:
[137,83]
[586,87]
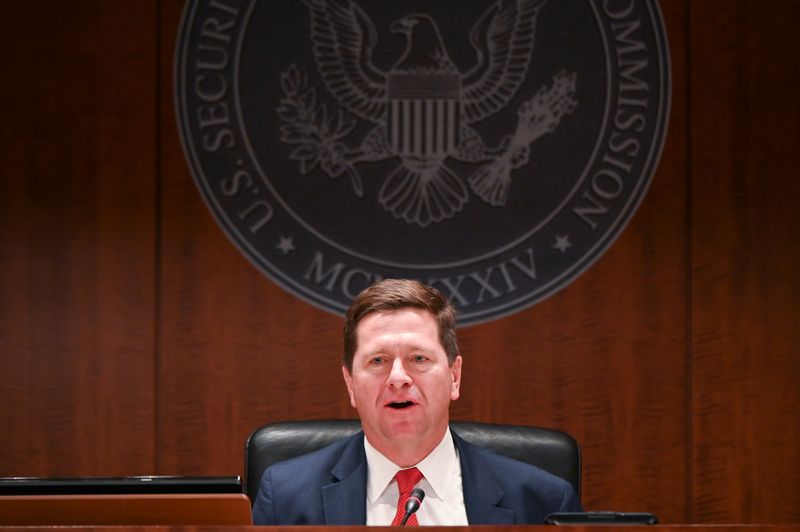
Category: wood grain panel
[746,262]
[77,239]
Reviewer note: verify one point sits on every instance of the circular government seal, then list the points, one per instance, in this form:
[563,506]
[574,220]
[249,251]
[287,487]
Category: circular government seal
[491,149]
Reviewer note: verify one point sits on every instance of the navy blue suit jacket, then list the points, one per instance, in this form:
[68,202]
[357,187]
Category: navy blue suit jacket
[329,487]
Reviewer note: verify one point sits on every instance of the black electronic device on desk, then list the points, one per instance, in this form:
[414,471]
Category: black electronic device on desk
[601,518]
[118,485]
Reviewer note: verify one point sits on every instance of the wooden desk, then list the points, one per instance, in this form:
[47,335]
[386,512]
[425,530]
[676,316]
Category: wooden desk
[151,509]
[478,528]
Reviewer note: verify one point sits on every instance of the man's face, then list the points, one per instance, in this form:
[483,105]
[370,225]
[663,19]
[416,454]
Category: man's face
[401,382]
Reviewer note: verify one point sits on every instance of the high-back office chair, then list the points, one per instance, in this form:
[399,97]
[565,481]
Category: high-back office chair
[551,450]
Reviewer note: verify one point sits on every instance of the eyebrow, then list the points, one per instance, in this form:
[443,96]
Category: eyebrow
[381,349]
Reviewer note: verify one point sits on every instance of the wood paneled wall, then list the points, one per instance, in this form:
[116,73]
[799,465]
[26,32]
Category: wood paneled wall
[136,339]
[745,261]
[78,238]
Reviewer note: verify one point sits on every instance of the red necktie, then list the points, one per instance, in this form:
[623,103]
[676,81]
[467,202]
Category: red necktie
[406,480]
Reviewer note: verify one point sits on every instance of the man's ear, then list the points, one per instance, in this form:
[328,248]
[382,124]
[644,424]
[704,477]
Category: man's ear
[455,370]
[348,380]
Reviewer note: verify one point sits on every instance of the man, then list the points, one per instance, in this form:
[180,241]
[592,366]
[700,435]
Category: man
[402,368]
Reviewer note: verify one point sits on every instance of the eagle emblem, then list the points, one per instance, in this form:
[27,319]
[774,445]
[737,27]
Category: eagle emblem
[424,111]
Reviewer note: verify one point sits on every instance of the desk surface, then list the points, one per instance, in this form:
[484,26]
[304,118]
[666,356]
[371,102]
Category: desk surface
[477,528]
[207,512]
[474,528]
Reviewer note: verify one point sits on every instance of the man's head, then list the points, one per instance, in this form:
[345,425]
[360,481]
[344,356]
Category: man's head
[402,367]
[396,294]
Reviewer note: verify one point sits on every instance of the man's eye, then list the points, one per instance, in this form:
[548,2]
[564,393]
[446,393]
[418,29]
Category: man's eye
[420,358]
[377,361]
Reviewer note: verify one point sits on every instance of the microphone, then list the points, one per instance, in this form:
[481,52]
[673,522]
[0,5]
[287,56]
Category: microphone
[412,504]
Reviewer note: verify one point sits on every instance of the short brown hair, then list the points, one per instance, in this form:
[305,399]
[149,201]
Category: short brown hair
[396,294]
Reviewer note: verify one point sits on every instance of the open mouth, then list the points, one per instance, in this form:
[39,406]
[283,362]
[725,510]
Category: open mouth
[399,405]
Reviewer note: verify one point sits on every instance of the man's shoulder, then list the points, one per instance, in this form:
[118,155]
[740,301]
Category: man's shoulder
[290,491]
[508,470]
[325,458]
[529,491]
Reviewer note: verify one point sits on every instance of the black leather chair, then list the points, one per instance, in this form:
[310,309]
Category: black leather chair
[551,450]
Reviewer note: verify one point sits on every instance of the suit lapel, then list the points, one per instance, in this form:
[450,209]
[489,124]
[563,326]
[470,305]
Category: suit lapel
[344,500]
[482,494]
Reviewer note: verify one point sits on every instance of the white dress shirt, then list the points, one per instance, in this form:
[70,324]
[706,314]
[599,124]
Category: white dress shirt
[444,496]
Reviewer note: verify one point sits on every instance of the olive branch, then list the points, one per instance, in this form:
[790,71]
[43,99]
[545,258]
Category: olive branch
[316,135]
[538,116]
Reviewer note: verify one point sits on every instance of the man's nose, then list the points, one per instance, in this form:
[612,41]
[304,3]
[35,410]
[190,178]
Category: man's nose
[398,376]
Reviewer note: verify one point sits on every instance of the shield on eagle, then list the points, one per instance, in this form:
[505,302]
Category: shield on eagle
[424,115]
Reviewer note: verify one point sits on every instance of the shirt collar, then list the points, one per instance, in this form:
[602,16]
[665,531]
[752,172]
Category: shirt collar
[437,468]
